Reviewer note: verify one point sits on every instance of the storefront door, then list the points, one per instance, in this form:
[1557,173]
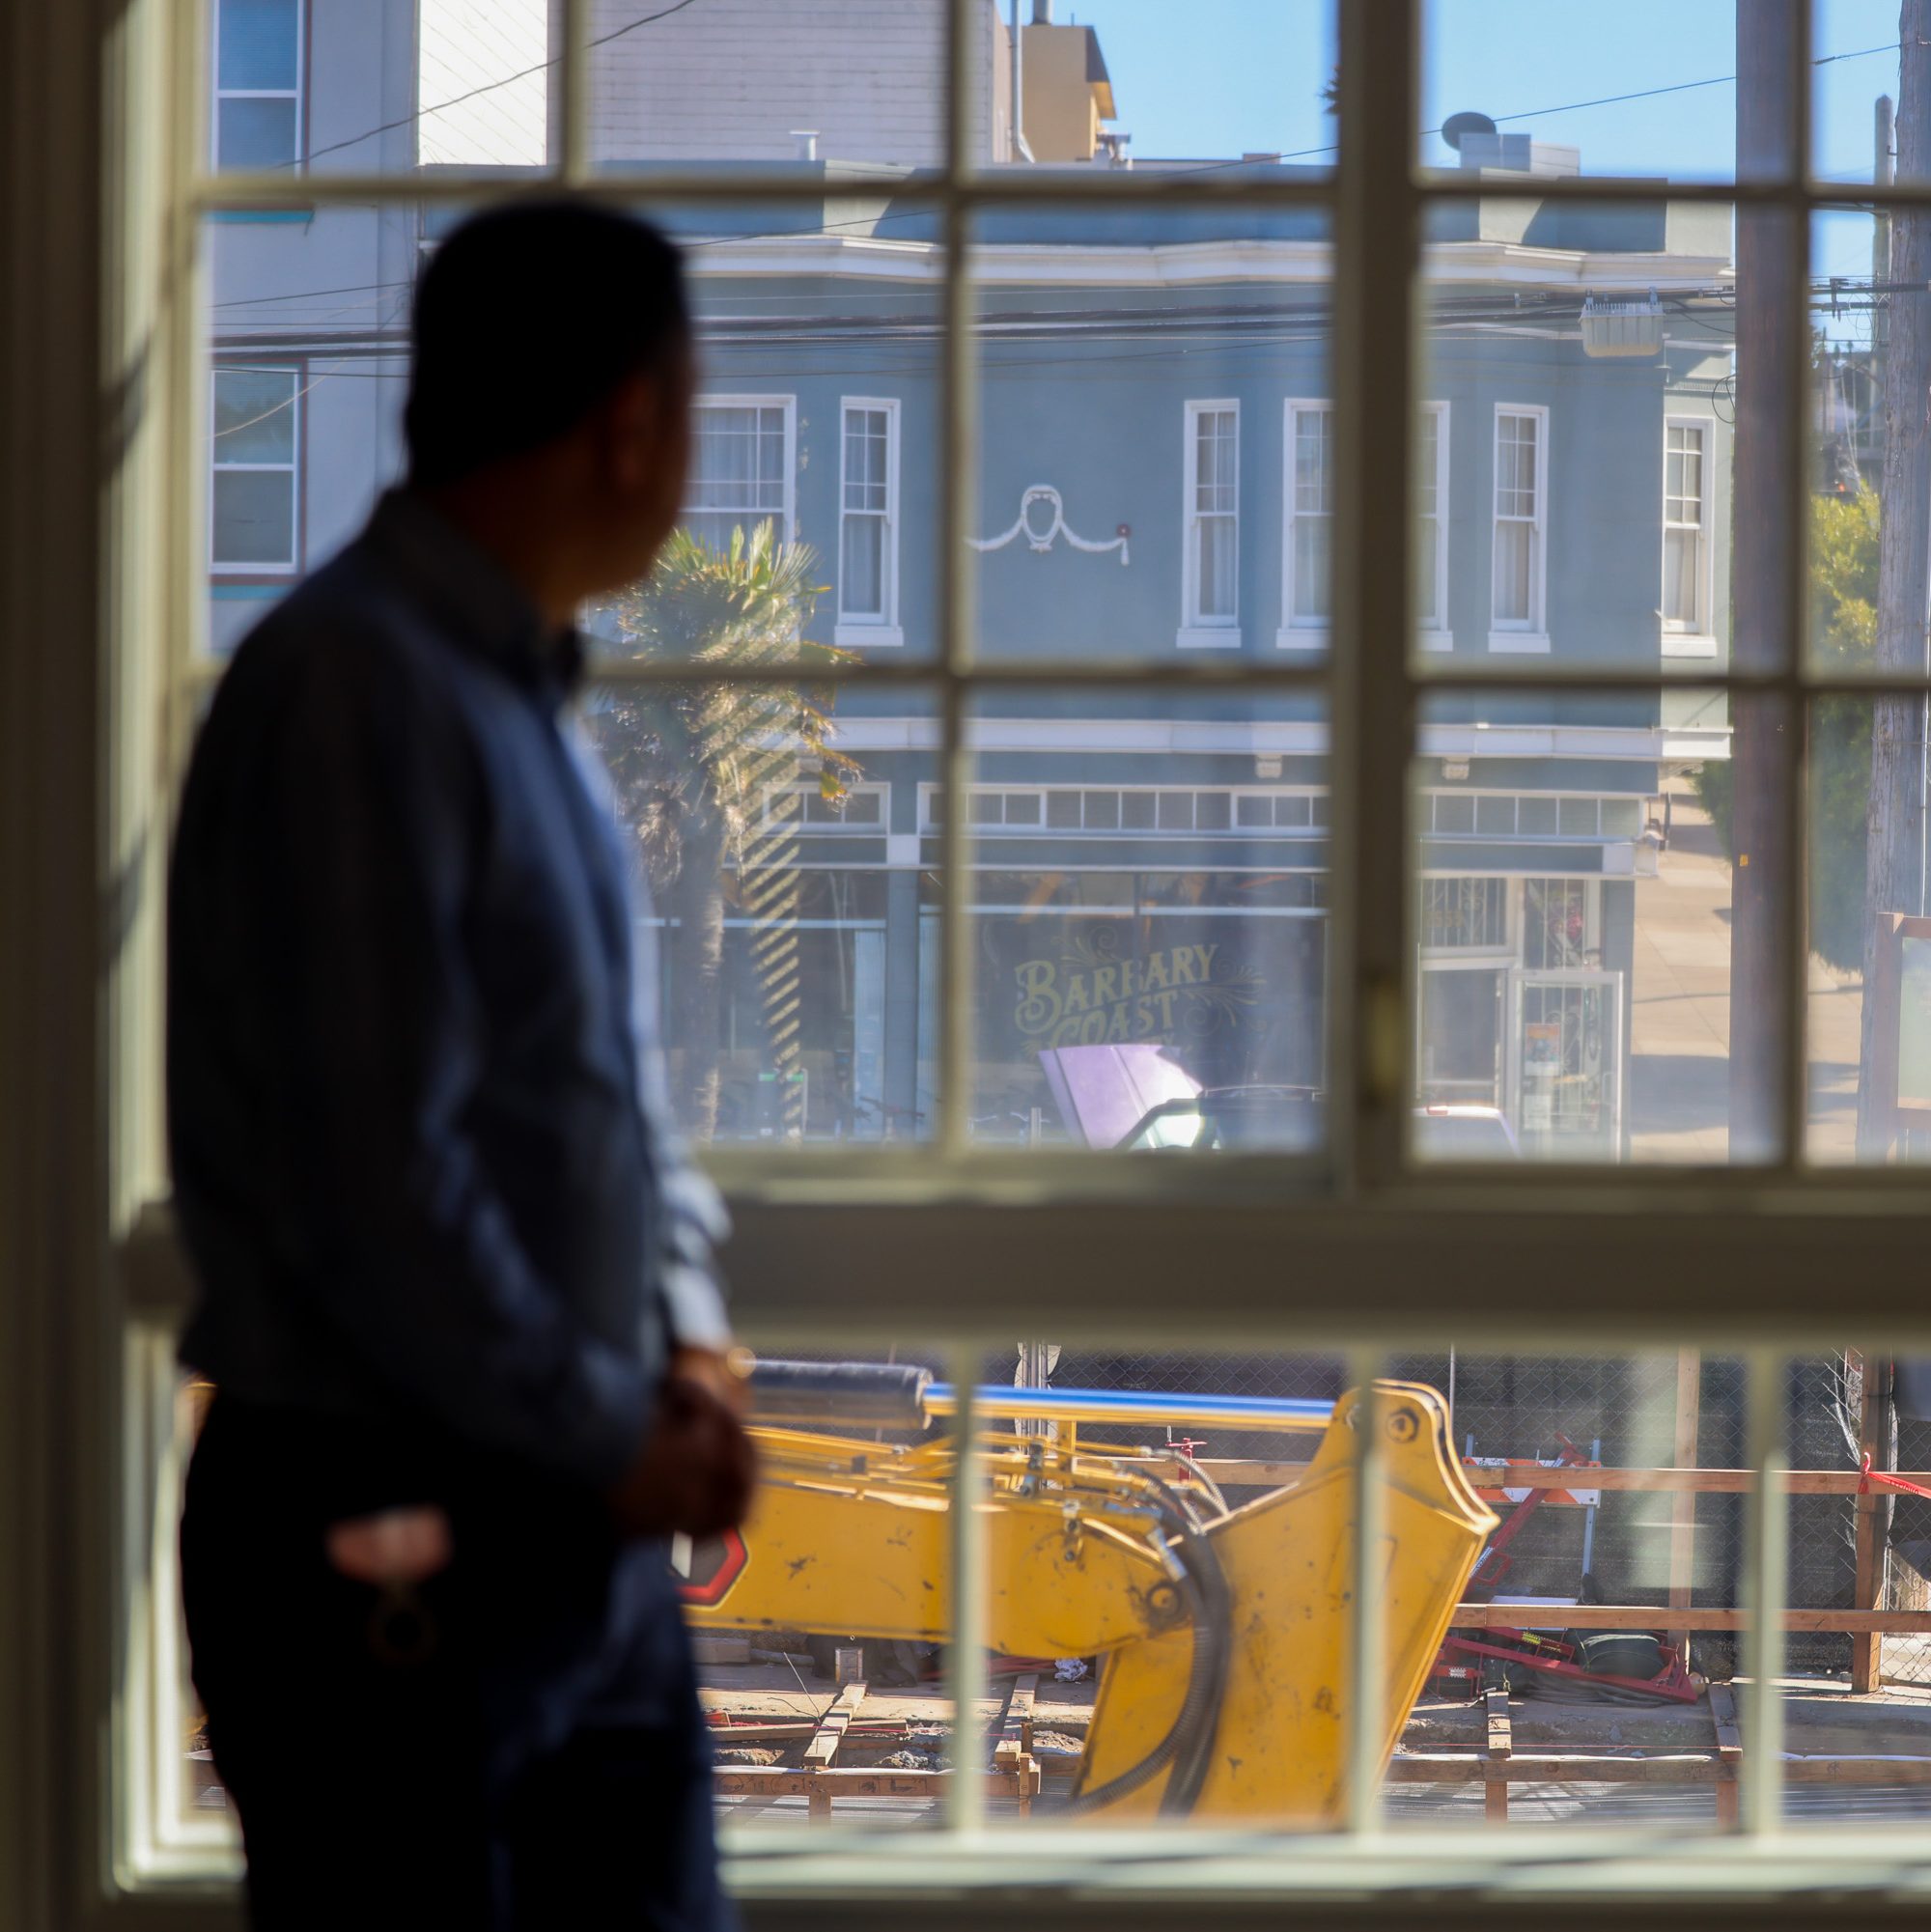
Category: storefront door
[1565,1079]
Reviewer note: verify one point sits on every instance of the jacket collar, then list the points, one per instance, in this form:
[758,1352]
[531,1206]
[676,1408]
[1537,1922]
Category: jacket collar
[486,610]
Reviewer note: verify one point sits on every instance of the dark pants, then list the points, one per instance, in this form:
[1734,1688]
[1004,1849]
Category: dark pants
[516,1744]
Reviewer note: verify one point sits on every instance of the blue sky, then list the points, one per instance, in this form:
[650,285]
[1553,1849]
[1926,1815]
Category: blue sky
[1221,77]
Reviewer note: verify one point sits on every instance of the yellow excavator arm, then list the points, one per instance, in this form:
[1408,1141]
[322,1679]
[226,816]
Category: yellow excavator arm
[1222,1633]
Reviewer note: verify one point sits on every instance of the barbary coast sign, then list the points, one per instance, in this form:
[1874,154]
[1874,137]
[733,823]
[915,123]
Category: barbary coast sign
[1087,998]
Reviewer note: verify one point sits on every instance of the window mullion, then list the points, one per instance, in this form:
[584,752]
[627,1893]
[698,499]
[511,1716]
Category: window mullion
[1377,238]
[573,90]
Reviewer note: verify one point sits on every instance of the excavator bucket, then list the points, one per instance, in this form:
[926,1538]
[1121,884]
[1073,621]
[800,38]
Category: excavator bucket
[1280,1742]
[1222,1633]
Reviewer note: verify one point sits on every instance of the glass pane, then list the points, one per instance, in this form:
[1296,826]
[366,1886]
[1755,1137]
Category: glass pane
[1149,979]
[1854,1699]
[278,289]
[1562,1695]
[1119,82]
[1867,977]
[256,133]
[777,925]
[1855,49]
[255,413]
[1647,91]
[253,517]
[1139,469]
[485,82]
[1611,926]
[260,44]
[1550,468]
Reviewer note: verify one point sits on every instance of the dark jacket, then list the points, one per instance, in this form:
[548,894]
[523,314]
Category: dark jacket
[419,1153]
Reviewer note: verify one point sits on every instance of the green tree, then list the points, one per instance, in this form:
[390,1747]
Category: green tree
[702,771]
[1844,592]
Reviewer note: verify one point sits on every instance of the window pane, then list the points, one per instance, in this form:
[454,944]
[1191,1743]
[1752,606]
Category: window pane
[253,519]
[1514,580]
[1148,957]
[1311,539]
[1217,539]
[861,582]
[260,42]
[255,416]
[256,133]
[1137,461]
[1680,554]
[1651,89]
[1602,1028]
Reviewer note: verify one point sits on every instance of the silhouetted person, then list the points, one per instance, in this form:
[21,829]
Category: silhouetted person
[457,1294]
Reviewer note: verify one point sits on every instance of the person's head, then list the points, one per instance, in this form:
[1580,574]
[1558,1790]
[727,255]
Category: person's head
[554,367]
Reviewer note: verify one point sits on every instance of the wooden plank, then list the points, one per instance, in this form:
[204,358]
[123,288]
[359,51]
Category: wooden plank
[1500,1740]
[1663,1767]
[1651,1616]
[782,1782]
[831,1726]
[1494,1787]
[1724,1715]
[1868,1647]
[1236,1474]
[1015,1727]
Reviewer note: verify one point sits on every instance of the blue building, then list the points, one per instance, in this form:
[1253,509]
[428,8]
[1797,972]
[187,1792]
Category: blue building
[1155,479]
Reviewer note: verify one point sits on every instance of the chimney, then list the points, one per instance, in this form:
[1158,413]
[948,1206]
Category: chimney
[1042,12]
[807,143]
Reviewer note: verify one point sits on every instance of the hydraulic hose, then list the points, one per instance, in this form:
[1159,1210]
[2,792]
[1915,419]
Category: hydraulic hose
[1188,1743]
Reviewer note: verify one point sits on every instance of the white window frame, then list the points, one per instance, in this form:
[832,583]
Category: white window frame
[229,568]
[1198,632]
[1301,634]
[298,93]
[1438,635]
[857,630]
[126,554]
[733,400]
[772,820]
[1697,640]
[1530,636]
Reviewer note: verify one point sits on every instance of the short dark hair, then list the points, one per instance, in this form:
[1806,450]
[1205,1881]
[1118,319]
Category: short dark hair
[527,319]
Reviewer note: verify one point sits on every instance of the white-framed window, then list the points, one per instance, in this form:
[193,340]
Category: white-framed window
[1688,627]
[257,83]
[1518,619]
[1210,616]
[254,501]
[1307,489]
[1464,915]
[868,523]
[742,467]
[1430,528]
[861,808]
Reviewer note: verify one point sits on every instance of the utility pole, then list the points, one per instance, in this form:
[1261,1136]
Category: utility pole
[1770,258]
[1895,838]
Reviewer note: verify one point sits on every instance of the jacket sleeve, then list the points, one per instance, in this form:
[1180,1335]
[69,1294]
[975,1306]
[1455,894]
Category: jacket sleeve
[371,805]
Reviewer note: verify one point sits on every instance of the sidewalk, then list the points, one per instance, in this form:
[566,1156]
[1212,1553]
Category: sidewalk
[1680,1011]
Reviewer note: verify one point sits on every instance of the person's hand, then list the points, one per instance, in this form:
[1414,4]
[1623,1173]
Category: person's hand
[694,1472]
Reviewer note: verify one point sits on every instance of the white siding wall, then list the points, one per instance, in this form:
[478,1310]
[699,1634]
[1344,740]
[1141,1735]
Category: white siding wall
[729,80]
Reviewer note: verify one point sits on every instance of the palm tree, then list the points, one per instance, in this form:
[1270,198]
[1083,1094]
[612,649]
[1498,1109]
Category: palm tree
[704,772]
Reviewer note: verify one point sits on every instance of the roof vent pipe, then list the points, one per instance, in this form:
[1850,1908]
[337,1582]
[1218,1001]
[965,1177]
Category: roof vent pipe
[1042,12]
[807,143]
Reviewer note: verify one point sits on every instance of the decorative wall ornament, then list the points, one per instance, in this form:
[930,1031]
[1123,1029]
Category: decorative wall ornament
[1041,539]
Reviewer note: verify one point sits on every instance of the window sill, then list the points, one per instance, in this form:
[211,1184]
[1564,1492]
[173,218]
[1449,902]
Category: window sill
[1301,637]
[1519,643]
[1686,644]
[1209,637]
[1434,640]
[867,638]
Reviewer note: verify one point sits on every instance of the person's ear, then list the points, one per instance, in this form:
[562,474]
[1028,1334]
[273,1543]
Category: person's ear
[633,429]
